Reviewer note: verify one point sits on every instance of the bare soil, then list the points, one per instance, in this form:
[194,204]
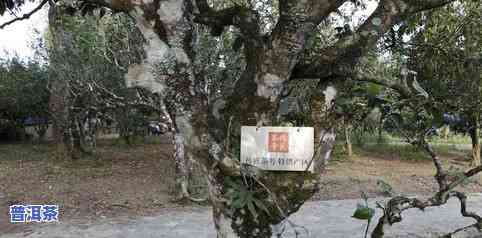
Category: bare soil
[363,173]
[139,180]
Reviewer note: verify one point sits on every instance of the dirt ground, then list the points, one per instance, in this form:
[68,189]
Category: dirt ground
[347,179]
[139,180]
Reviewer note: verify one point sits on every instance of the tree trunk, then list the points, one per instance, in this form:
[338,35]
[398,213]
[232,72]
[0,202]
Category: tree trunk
[323,124]
[380,129]
[281,193]
[75,140]
[87,127]
[473,66]
[445,131]
[168,71]
[182,169]
[203,122]
[348,145]
[41,130]
[475,137]
[59,101]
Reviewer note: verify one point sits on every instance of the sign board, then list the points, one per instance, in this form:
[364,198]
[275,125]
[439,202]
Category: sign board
[277,148]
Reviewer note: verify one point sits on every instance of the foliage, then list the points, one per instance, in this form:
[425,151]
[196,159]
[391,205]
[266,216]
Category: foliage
[240,197]
[364,212]
[441,54]
[385,188]
[98,52]
[23,92]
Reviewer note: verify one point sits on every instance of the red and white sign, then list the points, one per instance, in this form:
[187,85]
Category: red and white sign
[277,148]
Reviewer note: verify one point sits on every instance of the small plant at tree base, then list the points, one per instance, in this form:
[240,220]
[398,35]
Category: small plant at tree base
[240,197]
[385,188]
[364,212]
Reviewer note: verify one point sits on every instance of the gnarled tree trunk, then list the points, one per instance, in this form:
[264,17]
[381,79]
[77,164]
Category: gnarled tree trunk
[475,138]
[347,128]
[271,60]
[59,102]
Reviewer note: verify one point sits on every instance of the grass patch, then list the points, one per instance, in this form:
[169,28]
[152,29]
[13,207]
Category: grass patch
[25,151]
[136,141]
[453,139]
[374,138]
[339,154]
[407,152]
[387,138]
[402,152]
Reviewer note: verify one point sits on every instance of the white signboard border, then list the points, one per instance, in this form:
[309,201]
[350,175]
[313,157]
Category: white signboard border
[254,148]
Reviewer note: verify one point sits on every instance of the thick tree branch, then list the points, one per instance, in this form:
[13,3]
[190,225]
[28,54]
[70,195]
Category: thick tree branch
[423,5]
[10,5]
[301,17]
[463,206]
[115,5]
[440,174]
[297,20]
[473,171]
[241,17]
[471,231]
[345,54]
[26,15]
[390,83]
[395,206]
[393,210]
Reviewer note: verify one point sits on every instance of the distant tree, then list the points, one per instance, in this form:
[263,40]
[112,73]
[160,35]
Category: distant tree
[88,58]
[437,75]
[447,58]
[23,93]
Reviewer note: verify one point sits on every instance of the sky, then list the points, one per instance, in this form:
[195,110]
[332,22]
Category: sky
[17,38]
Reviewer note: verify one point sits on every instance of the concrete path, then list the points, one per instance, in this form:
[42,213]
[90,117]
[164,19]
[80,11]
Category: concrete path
[331,219]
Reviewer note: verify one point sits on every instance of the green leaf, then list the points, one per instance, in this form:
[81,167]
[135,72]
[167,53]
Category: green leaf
[237,203]
[261,205]
[364,213]
[373,89]
[385,187]
[232,184]
[252,209]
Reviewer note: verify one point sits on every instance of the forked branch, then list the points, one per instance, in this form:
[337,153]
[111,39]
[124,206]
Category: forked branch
[26,15]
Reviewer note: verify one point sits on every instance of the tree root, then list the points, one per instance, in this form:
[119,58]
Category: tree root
[392,213]
[472,231]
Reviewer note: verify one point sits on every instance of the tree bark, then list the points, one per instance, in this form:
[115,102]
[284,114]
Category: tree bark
[87,126]
[59,101]
[324,124]
[168,71]
[380,129]
[475,137]
[473,66]
[347,129]
[182,166]
[445,131]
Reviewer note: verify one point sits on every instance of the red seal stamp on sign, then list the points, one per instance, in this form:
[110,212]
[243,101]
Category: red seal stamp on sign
[278,142]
